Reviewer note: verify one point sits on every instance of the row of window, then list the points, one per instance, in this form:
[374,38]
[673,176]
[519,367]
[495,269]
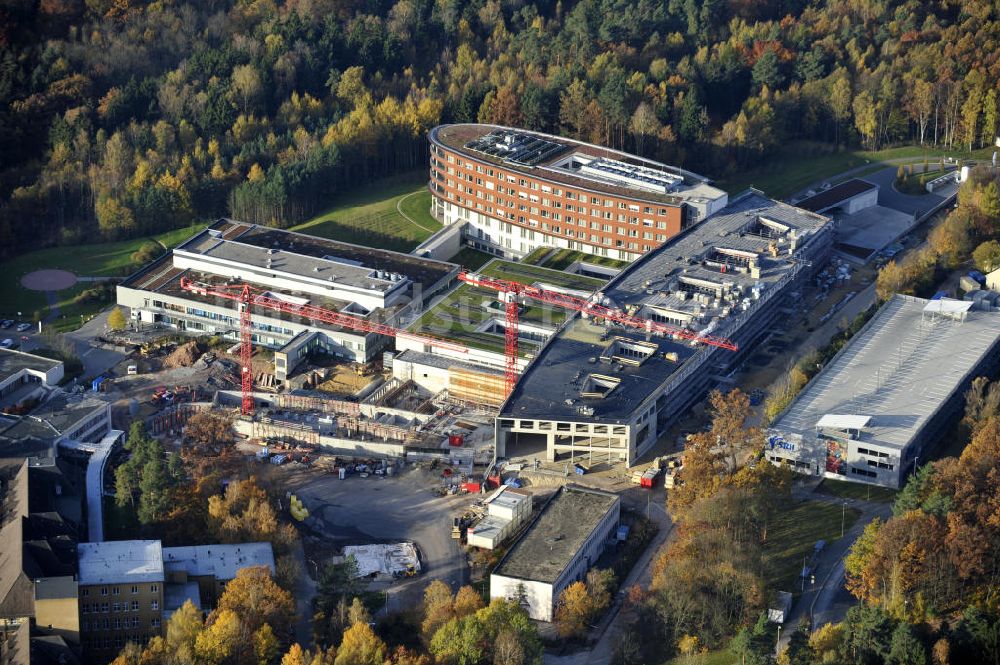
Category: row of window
[117,590]
[194,311]
[873,453]
[548,203]
[594,239]
[863,472]
[566,427]
[529,184]
[124,606]
[117,642]
[116,624]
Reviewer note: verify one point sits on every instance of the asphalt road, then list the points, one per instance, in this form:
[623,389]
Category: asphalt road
[96,359]
[827,601]
[890,198]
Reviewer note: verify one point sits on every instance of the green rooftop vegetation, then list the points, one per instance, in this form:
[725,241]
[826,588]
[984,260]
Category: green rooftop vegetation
[560,259]
[461,314]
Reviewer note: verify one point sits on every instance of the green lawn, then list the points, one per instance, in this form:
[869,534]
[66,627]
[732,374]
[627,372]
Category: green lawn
[457,316]
[792,535]
[369,215]
[802,163]
[564,258]
[471,259]
[110,259]
[846,490]
[537,256]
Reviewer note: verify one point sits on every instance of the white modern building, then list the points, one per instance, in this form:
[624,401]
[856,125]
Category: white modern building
[24,375]
[375,285]
[506,511]
[61,418]
[881,405]
[562,544]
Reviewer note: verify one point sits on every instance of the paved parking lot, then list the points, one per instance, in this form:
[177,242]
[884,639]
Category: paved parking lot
[380,509]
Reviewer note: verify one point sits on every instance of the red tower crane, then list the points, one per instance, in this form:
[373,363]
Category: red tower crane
[248,296]
[512,291]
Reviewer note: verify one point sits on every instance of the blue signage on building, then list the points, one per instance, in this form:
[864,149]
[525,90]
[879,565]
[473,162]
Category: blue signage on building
[778,441]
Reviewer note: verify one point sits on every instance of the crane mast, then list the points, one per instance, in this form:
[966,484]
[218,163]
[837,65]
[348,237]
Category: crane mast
[249,296]
[511,292]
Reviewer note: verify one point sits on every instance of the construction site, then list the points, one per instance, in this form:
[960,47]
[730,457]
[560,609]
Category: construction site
[318,347]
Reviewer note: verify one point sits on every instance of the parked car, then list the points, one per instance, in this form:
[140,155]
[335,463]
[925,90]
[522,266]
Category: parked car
[24,326]
[7,343]
[6,323]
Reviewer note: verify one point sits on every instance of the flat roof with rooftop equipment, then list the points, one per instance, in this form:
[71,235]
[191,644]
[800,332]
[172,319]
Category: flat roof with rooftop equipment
[576,163]
[120,561]
[706,280]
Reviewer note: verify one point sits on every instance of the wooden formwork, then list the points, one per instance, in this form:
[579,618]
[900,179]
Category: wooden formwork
[483,388]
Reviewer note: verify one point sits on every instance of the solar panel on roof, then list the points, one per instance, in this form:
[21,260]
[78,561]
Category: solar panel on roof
[516,148]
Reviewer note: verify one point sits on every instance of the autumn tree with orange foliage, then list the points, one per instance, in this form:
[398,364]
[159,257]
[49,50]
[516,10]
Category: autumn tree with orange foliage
[942,547]
[712,458]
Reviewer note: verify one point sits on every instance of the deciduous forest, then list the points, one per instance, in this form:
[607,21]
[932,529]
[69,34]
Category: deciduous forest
[119,118]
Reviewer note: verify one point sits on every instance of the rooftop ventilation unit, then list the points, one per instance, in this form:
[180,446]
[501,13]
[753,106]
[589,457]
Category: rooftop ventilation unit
[630,175]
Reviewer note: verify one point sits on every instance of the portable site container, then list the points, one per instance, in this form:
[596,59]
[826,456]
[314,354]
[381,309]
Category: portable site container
[649,478]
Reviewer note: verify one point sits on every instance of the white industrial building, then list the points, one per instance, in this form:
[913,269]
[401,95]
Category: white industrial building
[881,405]
[559,547]
[506,511]
[376,285]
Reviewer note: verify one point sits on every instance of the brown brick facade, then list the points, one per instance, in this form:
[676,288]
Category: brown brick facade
[557,210]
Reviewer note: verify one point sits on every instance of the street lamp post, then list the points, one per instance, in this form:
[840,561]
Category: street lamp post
[843,514]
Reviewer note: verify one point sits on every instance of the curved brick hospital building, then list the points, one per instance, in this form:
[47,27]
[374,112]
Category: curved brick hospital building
[516,190]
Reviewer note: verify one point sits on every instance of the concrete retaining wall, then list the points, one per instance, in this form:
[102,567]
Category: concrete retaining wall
[443,245]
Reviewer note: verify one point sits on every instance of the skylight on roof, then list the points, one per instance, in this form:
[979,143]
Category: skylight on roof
[598,386]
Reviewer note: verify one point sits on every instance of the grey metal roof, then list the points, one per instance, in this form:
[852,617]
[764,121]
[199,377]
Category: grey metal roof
[318,270]
[836,195]
[443,362]
[220,561]
[899,370]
